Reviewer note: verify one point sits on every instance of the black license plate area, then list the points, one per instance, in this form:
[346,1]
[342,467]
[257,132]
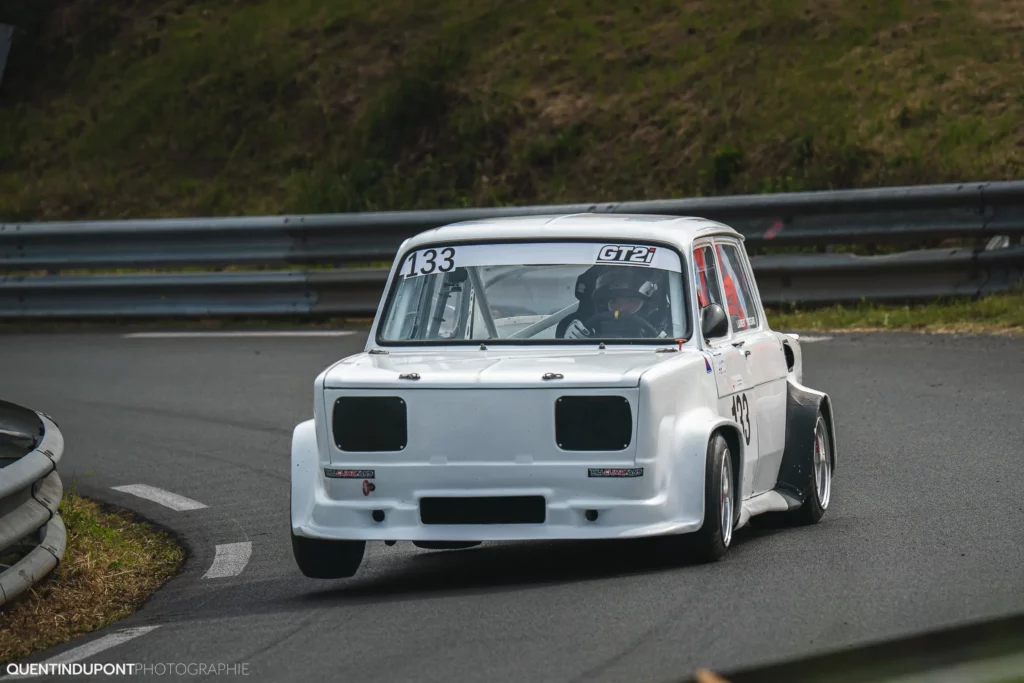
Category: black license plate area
[484,510]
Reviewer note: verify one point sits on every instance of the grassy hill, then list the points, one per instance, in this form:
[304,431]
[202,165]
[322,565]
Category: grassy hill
[118,108]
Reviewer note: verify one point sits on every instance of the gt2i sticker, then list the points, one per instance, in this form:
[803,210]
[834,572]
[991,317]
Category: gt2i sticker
[741,413]
[625,253]
[429,261]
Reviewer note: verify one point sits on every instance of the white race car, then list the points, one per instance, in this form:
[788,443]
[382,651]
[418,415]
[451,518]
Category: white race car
[561,377]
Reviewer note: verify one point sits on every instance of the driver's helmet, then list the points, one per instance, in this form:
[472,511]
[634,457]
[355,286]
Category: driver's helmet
[624,290]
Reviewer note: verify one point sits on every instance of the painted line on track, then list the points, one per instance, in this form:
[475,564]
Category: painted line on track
[229,560]
[165,498]
[267,333]
[95,647]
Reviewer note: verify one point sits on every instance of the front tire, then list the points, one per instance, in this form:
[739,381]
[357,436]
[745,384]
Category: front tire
[319,559]
[711,541]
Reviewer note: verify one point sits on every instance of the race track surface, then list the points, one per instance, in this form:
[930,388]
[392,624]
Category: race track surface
[924,530]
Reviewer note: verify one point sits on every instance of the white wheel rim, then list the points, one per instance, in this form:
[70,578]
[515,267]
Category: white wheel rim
[725,501]
[822,464]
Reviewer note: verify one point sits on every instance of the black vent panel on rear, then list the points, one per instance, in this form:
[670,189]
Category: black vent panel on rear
[487,510]
[593,423]
[370,423]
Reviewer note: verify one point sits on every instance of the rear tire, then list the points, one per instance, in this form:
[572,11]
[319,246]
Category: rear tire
[819,479]
[319,559]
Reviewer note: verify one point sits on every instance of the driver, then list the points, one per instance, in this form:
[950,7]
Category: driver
[621,298]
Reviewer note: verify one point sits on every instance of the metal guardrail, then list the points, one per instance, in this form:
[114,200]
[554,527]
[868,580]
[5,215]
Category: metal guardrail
[32,534]
[907,215]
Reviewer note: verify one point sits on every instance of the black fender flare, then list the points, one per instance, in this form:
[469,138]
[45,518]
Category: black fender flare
[802,405]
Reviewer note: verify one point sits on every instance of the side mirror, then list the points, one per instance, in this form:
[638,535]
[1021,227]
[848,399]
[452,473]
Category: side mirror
[713,321]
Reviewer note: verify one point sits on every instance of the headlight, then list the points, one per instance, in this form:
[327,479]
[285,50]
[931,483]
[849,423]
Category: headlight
[370,423]
[593,423]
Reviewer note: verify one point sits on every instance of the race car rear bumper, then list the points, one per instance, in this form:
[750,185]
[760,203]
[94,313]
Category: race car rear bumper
[489,502]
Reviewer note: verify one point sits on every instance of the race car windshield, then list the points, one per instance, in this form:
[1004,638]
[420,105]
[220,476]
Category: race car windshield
[543,292]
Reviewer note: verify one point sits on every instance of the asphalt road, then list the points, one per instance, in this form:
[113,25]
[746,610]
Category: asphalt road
[925,528]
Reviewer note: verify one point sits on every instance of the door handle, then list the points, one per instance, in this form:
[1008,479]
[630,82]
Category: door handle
[739,343]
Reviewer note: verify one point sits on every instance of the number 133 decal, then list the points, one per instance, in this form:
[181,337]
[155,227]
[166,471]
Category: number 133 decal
[741,413]
[429,261]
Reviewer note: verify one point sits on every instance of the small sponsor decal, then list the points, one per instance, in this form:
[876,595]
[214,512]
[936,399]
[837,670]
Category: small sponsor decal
[626,253]
[707,365]
[368,487]
[615,472]
[332,473]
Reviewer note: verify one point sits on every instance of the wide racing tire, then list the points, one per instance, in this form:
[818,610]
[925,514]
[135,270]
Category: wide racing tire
[319,559]
[711,542]
[819,478]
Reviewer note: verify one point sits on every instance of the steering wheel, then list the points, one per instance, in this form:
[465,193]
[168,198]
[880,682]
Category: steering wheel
[632,321]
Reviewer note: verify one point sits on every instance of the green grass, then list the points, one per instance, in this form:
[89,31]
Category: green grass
[1001,314]
[111,564]
[174,108]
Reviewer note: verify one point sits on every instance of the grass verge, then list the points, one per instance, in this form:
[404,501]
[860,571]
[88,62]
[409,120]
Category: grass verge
[176,108]
[112,563]
[997,314]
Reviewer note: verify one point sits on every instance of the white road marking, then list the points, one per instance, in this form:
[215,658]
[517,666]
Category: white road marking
[238,333]
[166,498]
[97,646]
[811,340]
[229,560]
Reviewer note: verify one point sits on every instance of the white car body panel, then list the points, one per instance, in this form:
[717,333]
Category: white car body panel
[479,418]
[498,367]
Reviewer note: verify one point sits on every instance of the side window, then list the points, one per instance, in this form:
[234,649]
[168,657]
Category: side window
[741,306]
[706,277]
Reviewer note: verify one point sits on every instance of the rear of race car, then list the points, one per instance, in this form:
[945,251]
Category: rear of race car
[504,449]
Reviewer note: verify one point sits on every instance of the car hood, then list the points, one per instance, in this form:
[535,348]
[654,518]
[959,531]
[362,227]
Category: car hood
[498,368]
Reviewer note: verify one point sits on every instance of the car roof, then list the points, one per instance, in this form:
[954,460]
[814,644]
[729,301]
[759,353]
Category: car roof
[679,231]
